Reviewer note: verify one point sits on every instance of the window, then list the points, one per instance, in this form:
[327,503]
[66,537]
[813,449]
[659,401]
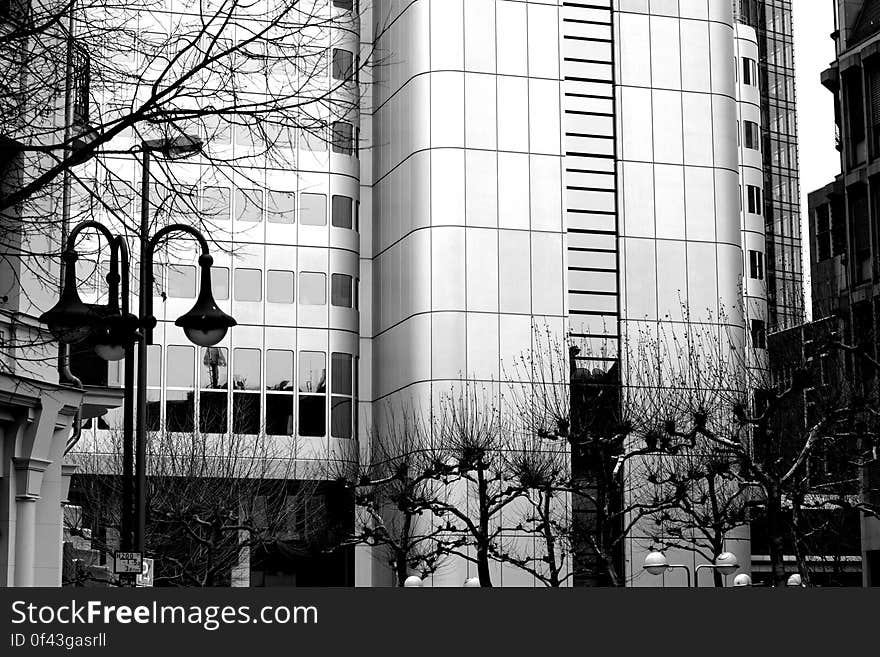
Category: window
[756,265]
[750,72]
[215,203]
[179,392]
[249,205]
[182,281]
[312,393]
[752,135]
[343,138]
[279,286]
[279,393]
[246,394]
[214,393]
[759,334]
[280,207]
[823,232]
[313,138]
[342,212]
[343,64]
[343,4]
[154,386]
[313,209]
[87,275]
[217,129]
[340,290]
[754,194]
[341,407]
[248,285]
[220,283]
[312,288]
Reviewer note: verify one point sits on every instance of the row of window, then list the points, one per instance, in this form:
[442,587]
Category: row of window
[342,137]
[253,205]
[181,282]
[268,396]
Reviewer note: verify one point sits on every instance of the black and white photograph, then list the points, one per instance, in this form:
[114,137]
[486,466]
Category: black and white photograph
[326,295]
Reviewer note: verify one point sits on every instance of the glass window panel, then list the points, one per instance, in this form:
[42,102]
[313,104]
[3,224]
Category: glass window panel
[342,64]
[179,410]
[342,374]
[182,281]
[246,368]
[248,285]
[312,415]
[313,372]
[343,138]
[312,288]
[249,205]
[313,209]
[279,370]
[341,290]
[340,418]
[343,4]
[246,413]
[313,138]
[86,275]
[154,365]
[179,363]
[279,415]
[342,213]
[213,412]
[215,373]
[216,129]
[280,207]
[279,286]
[220,283]
[215,203]
[154,409]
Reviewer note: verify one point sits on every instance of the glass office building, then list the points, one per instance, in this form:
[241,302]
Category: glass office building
[772,21]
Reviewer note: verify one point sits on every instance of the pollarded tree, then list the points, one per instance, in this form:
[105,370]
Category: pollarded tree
[213,502]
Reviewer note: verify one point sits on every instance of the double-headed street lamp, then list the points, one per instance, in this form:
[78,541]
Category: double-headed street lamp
[725,563]
[115,330]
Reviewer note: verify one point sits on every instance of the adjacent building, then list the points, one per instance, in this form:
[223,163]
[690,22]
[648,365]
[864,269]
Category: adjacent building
[844,227]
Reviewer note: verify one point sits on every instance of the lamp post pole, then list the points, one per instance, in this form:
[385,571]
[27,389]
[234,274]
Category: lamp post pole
[145,283]
[71,321]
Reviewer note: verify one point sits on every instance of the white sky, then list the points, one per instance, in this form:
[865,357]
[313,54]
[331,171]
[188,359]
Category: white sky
[819,160]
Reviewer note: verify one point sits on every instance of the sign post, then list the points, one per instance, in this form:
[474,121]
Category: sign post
[145,578]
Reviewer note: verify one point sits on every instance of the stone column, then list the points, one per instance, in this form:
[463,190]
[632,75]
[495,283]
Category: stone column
[28,483]
[25,533]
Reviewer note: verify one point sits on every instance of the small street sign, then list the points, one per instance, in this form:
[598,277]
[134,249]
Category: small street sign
[126,563]
[146,576]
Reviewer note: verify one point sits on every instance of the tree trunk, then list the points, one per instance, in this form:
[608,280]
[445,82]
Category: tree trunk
[483,544]
[774,531]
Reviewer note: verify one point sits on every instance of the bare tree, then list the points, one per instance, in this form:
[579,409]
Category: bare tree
[211,500]
[391,483]
[83,84]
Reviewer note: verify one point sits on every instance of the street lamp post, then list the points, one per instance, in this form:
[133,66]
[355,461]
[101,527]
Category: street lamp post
[117,330]
[726,563]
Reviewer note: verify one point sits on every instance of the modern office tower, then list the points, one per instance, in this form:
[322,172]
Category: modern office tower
[781,189]
[843,215]
[570,166]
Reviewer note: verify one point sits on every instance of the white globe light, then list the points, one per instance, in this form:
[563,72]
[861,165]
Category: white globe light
[413,581]
[742,580]
[111,352]
[473,582]
[205,338]
[727,563]
[795,580]
[656,563]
